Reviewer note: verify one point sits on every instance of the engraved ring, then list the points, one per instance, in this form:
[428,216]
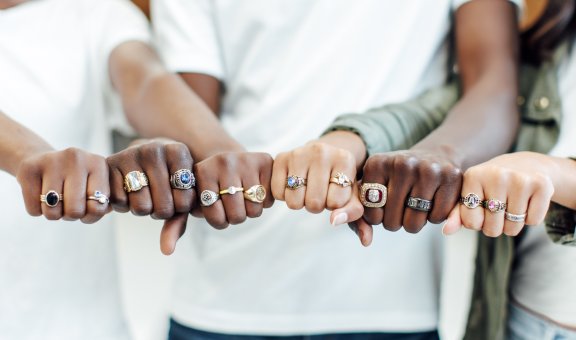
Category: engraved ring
[208,197]
[419,204]
[182,179]
[256,194]
[514,218]
[471,201]
[373,195]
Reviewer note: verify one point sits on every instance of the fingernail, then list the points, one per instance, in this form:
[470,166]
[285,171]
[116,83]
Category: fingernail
[341,218]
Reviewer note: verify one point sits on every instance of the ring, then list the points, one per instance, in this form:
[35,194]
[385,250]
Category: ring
[514,218]
[373,195]
[295,182]
[494,205]
[134,181]
[256,193]
[99,197]
[182,179]
[208,197]
[419,204]
[52,198]
[231,190]
[471,200]
[341,179]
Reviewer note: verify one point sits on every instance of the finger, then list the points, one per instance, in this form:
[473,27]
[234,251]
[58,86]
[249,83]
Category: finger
[152,158]
[453,222]
[140,202]
[317,187]
[180,163]
[473,216]
[344,171]
[118,196]
[422,193]
[266,174]
[97,182]
[363,230]
[253,209]
[399,186]
[233,199]
[446,196]
[352,211]
[518,197]
[206,181]
[539,204]
[30,180]
[279,175]
[495,192]
[171,232]
[52,183]
[295,197]
[375,171]
[75,194]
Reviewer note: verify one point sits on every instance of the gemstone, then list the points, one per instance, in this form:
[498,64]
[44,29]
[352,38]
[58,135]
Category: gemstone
[292,181]
[374,195]
[492,205]
[185,178]
[134,182]
[232,190]
[52,198]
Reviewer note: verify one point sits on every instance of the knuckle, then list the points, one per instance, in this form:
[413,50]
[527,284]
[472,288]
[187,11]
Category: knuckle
[413,227]
[52,216]
[293,205]
[141,209]
[392,227]
[236,218]
[163,211]
[178,152]
[152,151]
[217,222]
[405,164]
[492,232]
[75,213]
[437,217]
[374,165]
[315,205]
[336,202]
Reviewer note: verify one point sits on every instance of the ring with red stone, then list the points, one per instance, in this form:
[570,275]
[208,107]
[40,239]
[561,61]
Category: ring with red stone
[494,205]
[373,195]
[51,198]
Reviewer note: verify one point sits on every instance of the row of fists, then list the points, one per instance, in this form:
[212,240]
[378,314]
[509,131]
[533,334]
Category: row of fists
[398,189]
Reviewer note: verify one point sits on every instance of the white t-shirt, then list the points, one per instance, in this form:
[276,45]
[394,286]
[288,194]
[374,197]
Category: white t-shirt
[289,68]
[544,275]
[58,280]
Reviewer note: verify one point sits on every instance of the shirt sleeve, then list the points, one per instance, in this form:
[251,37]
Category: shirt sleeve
[186,37]
[561,224]
[400,126]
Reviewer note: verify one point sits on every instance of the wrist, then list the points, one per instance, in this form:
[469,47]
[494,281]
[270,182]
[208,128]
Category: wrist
[24,153]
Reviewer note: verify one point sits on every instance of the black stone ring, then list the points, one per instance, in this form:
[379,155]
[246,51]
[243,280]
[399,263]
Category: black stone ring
[419,204]
[52,198]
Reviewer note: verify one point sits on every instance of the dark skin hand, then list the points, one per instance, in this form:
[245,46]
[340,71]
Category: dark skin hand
[432,169]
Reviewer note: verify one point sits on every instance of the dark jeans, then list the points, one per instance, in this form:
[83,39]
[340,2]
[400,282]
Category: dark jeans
[180,332]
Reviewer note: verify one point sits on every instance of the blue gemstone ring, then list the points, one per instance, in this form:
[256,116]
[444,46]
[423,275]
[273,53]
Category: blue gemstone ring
[99,197]
[183,179]
[52,198]
[295,182]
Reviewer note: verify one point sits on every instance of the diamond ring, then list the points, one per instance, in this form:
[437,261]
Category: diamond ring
[341,179]
[99,197]
[295,182]
[135,181]
[373,195]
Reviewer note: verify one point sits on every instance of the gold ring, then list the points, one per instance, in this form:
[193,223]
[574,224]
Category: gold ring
[256,193]
[135,181]
[373,195]
[231,190]
[341,179]
[51,198]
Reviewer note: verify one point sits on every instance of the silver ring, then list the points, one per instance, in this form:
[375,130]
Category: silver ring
[295,182]
[373,195]
[51,198]
[494,205]
[419,204]
[341,179]
[99,197]
[471,200]
[182,179]
[208,197]
[514,218]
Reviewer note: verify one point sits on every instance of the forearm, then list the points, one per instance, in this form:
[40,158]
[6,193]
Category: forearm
[159,104]
[17,143]
[484,123]
[562,173]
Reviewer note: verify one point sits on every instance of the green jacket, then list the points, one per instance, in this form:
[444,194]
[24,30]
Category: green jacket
[399,126]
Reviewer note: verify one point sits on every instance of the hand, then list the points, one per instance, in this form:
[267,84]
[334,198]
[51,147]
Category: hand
[72,173]
[239,170]
[521,180]
[413,173]
[319,164]
[158,160]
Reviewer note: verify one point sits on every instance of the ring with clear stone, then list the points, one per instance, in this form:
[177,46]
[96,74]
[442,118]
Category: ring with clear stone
[135,181]
[208,197]
[231,190]
[99,197]
[373,195]
[341,179]
[294,182]
[182,179]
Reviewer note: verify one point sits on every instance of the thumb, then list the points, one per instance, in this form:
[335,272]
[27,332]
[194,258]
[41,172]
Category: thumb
[352,211]
[172,230]
[365,232]
[453,223]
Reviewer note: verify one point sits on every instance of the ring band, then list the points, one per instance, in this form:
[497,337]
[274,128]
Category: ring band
[295,182]
[231,190]
[514,218]
[51,198]
[494,205]
[373,195]
[135,181]
[341,179]
[256,194]
[208,197]
[182,179]
[99,197]
[471,200]
[419,204]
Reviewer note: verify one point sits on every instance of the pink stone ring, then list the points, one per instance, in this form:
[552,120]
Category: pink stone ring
[494,205]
